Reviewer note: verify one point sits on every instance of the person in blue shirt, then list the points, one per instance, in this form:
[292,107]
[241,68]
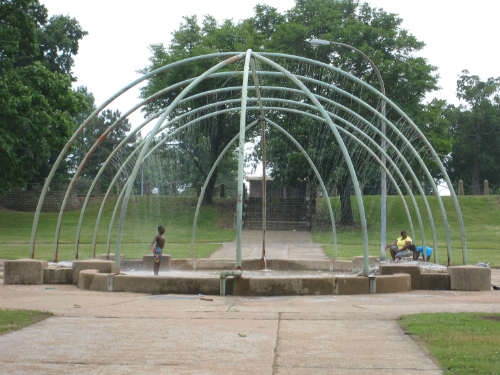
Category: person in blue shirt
[420,250]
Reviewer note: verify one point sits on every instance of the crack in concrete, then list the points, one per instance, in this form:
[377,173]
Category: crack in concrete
[276,345]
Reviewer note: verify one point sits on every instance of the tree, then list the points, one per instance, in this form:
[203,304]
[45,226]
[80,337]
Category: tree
[375,32]
[379,35]
[475,131]
[36,98]
[202,144]
[92,133]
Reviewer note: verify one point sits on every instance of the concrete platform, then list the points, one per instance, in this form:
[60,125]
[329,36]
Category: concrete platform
[129,333]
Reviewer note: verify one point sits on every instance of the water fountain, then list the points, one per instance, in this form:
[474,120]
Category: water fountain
[287,93]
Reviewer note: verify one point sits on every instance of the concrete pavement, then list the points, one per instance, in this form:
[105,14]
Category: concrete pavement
[279,245]
[125,333]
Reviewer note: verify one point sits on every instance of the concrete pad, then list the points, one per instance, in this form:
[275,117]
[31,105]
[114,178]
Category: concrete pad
[358,263]
[435,281]
[85,278]
[136,345]
[342,265]
[352,285]
[24,271]
[412,269]
[298,265]
[271,286]
[115,332]
[58,275]
[308,347]
[393,283]
[470,278]
[165,284]
[102,282]
[104,266]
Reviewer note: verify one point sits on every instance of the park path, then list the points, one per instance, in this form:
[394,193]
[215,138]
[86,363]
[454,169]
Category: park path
[279,245]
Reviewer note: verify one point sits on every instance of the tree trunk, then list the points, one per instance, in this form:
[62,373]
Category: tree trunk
[345,202]
[207,198]
[476,189]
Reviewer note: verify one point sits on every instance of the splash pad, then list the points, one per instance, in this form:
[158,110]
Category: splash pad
[295,87]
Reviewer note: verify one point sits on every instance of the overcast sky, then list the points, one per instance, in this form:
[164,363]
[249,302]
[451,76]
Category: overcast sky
[459,35]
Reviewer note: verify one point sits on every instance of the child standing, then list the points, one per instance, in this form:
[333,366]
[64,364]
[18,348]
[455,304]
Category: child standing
[158,248]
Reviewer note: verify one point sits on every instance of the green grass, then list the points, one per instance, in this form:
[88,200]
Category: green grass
[463,343]
[143,217]
[481,215]
[12,320]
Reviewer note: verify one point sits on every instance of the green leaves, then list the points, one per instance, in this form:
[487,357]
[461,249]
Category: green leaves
[36,98]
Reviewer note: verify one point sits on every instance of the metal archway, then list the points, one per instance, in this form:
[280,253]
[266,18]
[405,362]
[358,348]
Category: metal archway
[325,116]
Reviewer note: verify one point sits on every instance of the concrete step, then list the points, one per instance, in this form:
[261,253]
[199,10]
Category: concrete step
[278,225]
[253,216]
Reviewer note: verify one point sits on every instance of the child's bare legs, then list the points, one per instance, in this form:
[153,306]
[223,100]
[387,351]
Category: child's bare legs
[156,268]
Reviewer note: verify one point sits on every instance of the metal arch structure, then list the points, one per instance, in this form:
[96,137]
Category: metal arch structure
[247,58]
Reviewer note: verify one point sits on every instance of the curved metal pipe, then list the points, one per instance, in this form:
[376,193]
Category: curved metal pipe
[345,153]
[271,108]
[148,142]
[422,137]
[64,151]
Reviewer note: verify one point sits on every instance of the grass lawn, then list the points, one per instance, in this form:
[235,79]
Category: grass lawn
[12,320]
[481,215]
[143,217]
[462,343]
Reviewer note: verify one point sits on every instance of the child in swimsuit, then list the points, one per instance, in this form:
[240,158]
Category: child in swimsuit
[158,249]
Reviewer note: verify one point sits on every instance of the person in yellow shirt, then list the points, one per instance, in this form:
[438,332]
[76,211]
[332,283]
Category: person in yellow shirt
[400,247]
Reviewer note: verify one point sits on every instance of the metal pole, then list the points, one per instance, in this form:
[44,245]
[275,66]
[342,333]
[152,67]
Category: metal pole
[264,195]
[241,158]
[148,141]
[343,148]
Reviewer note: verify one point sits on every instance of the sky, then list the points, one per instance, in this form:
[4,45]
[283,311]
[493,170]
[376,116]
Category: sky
[459,34]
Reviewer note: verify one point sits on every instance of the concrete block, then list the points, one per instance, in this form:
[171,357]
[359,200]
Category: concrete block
[343,265]
[166,284]
[187,264]
[103,266]
[277,286]
[111,257]
[58,275]
[358,262]
[412,269]
[435,281]
[24,271]
[470,278]
[102,282]
[297,265]
[393,283]
[85,278]
[352,285]
[148,261]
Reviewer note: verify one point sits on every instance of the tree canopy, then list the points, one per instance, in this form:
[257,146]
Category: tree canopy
[408,78]
[475,131]
[36,98]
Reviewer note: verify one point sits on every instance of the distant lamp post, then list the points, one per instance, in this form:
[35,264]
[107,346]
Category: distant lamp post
[383,200]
